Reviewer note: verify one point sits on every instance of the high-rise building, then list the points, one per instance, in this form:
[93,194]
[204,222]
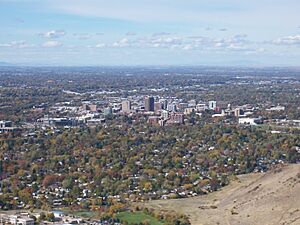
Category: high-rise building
[85,107]
[149,104]
[126,106]
[212,105]
[238,112]
[172,107]
[157,107]
[164,103]
[165,114]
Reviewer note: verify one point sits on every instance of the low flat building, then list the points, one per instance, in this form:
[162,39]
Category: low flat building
[153,120]
[16,220]
[6,127]
[250,121]
[276,108]
[4,124]
[189,111]
[176,118]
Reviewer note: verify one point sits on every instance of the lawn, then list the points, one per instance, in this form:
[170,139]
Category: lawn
[138,217]
[84,214]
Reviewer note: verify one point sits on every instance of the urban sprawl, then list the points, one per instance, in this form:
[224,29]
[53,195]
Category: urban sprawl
[105,140]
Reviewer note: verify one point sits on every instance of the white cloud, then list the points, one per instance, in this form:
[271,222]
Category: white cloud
[237,47]
[188,47]
[17,44]
[122,43]
[101,45]
[234,43]
[165,42]
[53,34]
[220,44]
[170,42]
[5,45]
[51,44]
[289,40]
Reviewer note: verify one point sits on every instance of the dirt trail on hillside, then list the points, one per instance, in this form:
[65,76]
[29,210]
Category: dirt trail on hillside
[272,198]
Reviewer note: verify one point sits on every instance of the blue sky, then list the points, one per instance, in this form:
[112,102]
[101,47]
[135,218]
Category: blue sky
[150,32]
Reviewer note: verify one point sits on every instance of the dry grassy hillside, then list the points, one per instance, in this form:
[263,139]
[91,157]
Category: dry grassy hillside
[270,198]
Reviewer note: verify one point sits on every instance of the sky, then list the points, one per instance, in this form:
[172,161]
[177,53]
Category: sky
[150,32]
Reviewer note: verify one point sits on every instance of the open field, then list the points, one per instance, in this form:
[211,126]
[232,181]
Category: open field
[137,217]
[270,198]
[85,214]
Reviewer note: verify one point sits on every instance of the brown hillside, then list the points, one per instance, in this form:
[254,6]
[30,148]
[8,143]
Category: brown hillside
[270,198]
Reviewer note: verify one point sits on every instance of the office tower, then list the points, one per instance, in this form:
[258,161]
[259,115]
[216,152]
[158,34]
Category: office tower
[212,105]
[165,114]
[164,103]
[172,107]
[149,104]
[126,106]
[85,107]
[157,107]
[238,112]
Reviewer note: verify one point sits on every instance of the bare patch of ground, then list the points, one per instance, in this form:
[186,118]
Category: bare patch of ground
[269,198]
